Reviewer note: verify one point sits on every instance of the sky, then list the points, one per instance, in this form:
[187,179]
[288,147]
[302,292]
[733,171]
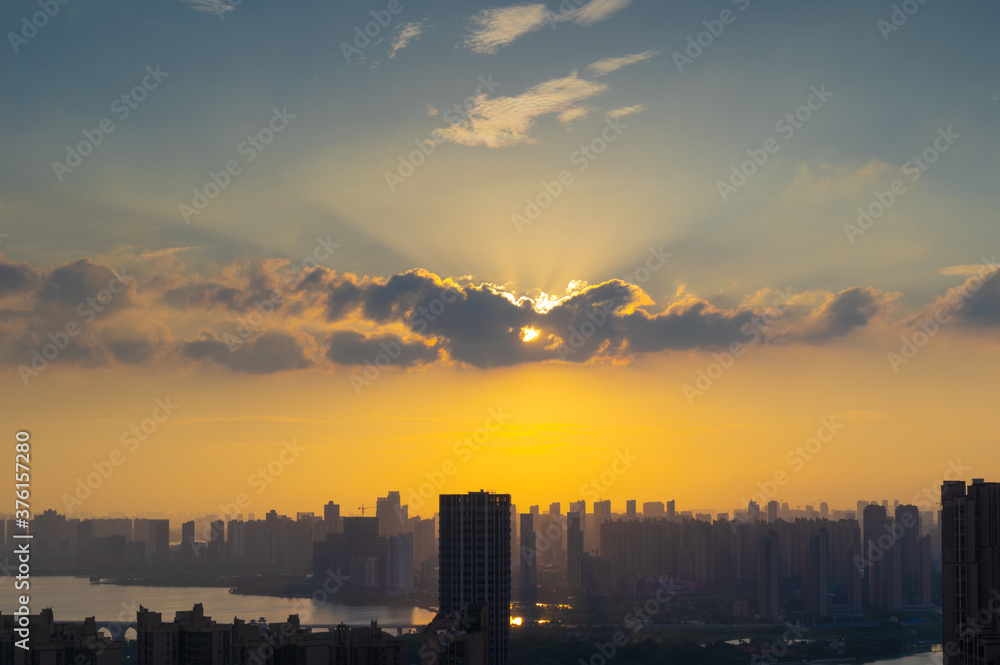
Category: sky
[596,249]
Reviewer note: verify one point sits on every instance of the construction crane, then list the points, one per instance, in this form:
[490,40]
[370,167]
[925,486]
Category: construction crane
[362,509]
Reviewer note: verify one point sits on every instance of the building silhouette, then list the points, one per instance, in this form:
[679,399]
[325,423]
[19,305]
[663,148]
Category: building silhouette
[474,564]
[574,551]
[76,643]
[970,538]
[528,562]
[816,574]
[878,557]
[767,575]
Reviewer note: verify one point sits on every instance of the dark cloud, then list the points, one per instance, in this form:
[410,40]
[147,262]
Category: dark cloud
[267,353]
[475,325]
[979,298]
[16,277]
[688,325]
[81,281]
[347,347]
[843,313]
[131,352]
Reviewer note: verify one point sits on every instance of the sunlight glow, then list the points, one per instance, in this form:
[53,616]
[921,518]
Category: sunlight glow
[528,334]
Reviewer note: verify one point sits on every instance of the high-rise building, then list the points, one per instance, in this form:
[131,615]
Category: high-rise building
[217,542]
[188,549]
[474,563]
[772,511]
[602,511]
[767,575]
[192,638]
[555,536]
[907,575]
[331,518]
[592,529]
[877,563]
[653,510]
[816,574]
[671,510]
[399,563]
[630,509]
[391,515]
[574,550]
[970,557]
[528,562]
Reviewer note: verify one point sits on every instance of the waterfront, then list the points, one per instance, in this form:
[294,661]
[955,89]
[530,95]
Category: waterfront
[74,598]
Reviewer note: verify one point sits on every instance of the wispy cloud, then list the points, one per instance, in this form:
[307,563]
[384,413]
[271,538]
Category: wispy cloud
[627,110]
[574,113]
[507,121]
[215,6]
[407,33]
[596,11]
[493,29]
[608,65]
[965,271]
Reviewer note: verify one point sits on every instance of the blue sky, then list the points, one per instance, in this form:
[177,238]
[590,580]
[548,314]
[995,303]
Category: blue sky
[225,76]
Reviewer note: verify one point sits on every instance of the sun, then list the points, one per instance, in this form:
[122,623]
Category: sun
[528,334]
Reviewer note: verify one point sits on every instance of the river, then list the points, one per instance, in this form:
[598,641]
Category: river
[75,598]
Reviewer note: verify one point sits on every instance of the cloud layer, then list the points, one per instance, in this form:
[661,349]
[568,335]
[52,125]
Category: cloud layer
[261,317]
